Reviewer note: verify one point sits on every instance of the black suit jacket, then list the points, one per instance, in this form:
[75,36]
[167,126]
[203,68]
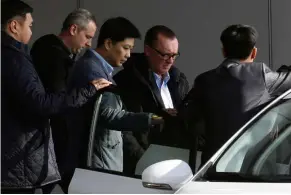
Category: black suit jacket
[140,93]
[225,98]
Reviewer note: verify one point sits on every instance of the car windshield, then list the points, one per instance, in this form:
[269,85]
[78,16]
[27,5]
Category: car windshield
[262,152]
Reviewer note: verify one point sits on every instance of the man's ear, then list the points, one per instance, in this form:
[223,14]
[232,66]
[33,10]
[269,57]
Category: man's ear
[254,53]
[13,26]
[108,44]
[147,50]
[73,29]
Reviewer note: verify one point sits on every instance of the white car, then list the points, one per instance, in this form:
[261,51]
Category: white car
[257,160]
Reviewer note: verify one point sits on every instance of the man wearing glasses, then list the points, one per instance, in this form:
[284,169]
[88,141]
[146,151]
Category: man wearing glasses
[150,83]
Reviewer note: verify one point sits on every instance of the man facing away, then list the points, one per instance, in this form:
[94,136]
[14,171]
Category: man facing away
[157,86]
[226,97]
[115,42]
[54,57]
[27,153]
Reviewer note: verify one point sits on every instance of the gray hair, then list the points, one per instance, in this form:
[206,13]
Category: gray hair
[80,17]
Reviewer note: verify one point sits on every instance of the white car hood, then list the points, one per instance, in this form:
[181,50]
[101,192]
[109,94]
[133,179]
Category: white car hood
[195,187]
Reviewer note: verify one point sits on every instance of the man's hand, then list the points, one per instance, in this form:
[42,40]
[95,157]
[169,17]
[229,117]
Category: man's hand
[171,111]
[157,121]
[100,83]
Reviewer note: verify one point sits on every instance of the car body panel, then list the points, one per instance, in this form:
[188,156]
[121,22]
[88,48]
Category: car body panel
[92,182]
[196,187]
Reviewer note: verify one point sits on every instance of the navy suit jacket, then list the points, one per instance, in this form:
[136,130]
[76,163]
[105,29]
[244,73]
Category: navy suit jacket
[88,68]
[112,119]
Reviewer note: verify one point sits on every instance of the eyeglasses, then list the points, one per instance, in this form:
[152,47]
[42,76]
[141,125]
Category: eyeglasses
[167,56]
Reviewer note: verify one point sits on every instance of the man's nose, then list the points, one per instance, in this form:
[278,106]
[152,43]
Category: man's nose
[89,44]
[127,55]
[171,60]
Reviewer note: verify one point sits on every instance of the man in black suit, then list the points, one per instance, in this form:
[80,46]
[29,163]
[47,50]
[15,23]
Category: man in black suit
[226,97]
[157,86]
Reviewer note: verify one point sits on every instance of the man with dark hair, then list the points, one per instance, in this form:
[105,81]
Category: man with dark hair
[109,30]
[115,42]
[159,87]
[226,97]
[53,57]
[27,154]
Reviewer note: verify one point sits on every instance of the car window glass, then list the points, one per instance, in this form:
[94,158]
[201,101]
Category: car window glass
[276,159]
[260,136]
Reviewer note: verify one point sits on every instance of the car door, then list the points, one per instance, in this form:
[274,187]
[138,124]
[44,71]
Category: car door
[99,181]
[256,159]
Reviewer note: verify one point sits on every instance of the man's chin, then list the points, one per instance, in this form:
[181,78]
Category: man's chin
[121,63]
[80,50]
[165,70]
[77,51]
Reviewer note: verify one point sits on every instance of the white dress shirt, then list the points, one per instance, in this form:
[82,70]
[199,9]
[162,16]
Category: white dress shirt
[164,90]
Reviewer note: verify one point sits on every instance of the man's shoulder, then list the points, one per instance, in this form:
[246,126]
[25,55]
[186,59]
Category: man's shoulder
[85,70]
[11,54]
[237,66]
[121,75]
[207,74]
[46,40]
[88,60]
[130,70]
[136,62]
[16,62]
[256,65]
[88,64]
[47,37]
[50,44]
[176,73]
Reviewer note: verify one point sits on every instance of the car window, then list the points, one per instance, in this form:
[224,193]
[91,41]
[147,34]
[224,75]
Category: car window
[264,148]
[276,159]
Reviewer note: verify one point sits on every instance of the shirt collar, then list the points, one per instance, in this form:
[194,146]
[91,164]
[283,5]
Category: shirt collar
[109,69]
[159,79]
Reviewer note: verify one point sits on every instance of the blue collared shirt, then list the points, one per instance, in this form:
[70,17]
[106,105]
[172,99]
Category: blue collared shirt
[109,69]
[164,90]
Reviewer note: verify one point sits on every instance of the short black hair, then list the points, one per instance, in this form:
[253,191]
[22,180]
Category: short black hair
[152,34]
[13,8]
[117,29]
[238,41]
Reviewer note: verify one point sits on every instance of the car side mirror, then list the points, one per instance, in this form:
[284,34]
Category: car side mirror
[167,175]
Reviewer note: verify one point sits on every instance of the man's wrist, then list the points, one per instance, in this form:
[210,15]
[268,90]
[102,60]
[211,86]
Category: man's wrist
[155,120]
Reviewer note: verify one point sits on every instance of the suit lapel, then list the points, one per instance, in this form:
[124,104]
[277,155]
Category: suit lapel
[145,81]
[173,88]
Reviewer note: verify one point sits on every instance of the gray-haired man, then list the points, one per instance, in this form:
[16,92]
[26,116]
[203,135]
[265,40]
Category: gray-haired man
[53,57]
